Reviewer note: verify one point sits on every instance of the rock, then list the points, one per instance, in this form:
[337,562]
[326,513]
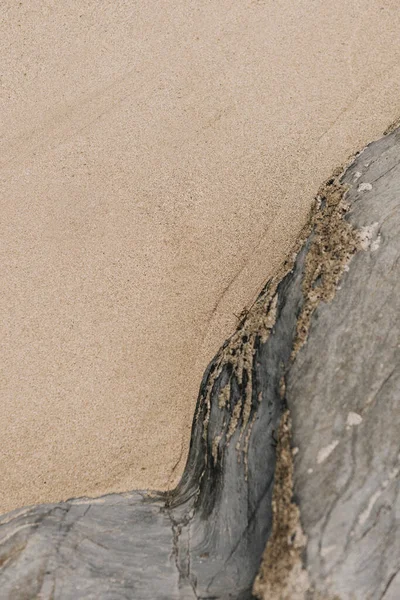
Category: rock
[344,390]
[343,394]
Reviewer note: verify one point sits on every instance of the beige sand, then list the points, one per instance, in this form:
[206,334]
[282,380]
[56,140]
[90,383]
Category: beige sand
[157,161]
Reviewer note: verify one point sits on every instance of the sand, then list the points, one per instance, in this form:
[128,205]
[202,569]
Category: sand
[158,160]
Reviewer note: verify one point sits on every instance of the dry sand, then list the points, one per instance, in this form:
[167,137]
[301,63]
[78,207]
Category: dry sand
[158,159]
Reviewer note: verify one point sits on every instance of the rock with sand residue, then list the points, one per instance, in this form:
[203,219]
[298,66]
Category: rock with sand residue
[343,392]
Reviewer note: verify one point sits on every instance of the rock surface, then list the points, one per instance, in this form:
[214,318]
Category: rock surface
[331,357]
[344,390]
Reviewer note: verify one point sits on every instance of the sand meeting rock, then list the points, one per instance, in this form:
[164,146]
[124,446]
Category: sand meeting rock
[158,160]
[292,444]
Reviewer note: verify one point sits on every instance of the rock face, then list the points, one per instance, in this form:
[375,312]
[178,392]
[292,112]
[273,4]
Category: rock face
[344,395]
[322,341]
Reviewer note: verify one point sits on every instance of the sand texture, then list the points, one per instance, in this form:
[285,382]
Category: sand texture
[158,161]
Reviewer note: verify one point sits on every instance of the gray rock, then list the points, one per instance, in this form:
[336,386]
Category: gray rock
[205,540]
[344,391]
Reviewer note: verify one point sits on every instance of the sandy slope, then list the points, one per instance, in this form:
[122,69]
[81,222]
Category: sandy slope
[157,161]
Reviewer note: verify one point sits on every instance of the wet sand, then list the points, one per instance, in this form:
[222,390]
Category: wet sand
[158,161]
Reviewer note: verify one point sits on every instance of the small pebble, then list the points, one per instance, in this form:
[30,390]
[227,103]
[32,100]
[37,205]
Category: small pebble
[364,187]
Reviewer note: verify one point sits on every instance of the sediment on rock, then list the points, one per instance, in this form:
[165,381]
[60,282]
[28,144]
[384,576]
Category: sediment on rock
[332,243]
[282,576]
